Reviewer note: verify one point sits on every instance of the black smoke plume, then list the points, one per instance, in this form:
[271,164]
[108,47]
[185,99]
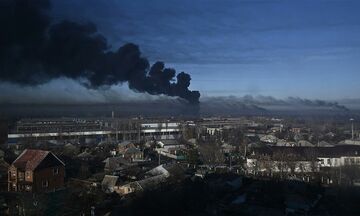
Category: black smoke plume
[269,102]
[34,51]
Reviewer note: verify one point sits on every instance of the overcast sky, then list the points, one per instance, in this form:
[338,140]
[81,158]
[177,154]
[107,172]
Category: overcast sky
[280,48]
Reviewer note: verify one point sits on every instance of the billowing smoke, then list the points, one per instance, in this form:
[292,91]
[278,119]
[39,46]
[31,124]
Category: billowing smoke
[34,51]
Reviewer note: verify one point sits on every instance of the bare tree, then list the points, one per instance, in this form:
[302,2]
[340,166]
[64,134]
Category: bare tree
[210,153]
[311,156]
[266,164]
[281,162]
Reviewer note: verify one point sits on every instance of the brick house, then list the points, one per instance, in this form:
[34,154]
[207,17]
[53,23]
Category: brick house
[36,171]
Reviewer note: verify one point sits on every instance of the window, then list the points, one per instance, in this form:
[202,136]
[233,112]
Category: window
[28,175]
[56,171]
[28,188]
[21,176]
[45,183]
[329,161]
[352,161]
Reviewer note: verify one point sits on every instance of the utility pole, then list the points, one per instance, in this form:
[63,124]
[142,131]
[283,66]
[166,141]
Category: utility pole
[352,128]
[138,126]
[245,151]
[230,162]
[116,131]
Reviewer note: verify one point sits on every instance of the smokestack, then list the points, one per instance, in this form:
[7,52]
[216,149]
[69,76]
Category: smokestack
[32,52]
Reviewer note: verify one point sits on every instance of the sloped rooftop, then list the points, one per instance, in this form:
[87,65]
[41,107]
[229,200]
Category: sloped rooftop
[30,159]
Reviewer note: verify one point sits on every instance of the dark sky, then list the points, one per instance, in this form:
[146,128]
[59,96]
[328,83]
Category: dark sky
[281,48]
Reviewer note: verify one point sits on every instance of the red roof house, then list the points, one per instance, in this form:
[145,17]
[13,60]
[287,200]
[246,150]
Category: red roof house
[36,171]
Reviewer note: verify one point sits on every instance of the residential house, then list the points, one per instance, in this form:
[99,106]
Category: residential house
[350,142]
[109,183]
[128,150]
[133,154]
[153,178]
[171,148]
[129,188]
[166,144]
[301,159]
[276,128]
[123,146]
[85,156]
[227,148]
[213,130]
[174,153]
[337,156]
[304,143]
[271,139]
[113,164]
[282,142]
[36,171]
[324,144]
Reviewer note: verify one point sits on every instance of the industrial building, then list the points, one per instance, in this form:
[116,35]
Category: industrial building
[116,129]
